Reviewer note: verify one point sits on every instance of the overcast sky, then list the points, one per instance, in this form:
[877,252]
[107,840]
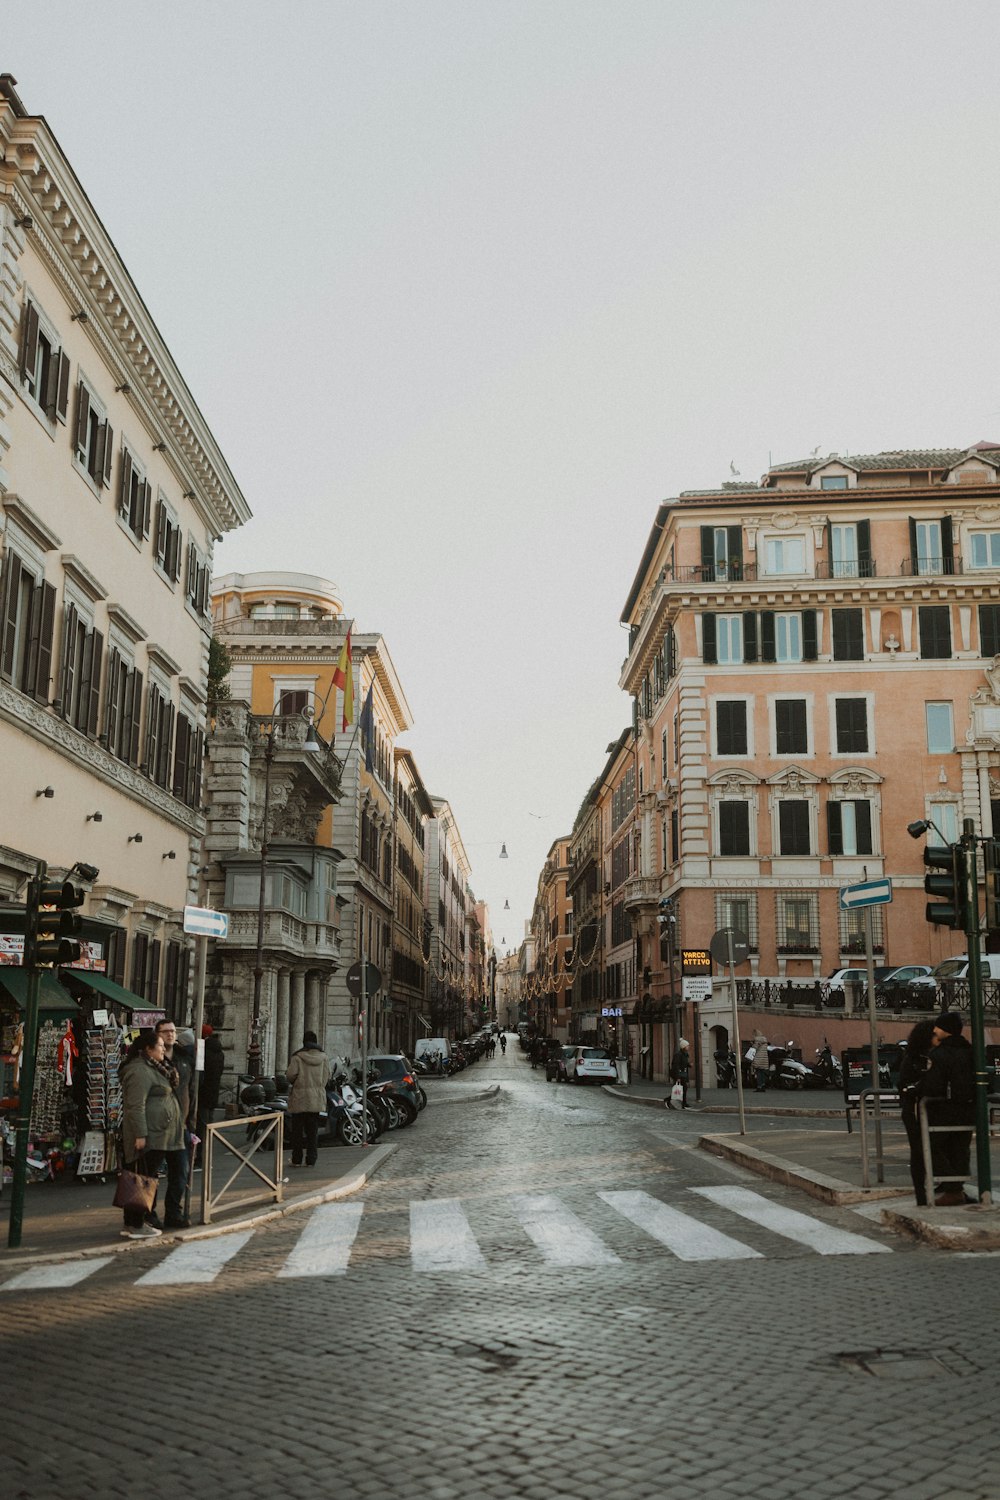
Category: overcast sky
[465,288]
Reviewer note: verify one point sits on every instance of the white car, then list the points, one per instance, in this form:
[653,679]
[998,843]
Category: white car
[585,1063]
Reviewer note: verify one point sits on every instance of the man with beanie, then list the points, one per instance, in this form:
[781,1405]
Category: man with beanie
[307,1074]
[950,1087]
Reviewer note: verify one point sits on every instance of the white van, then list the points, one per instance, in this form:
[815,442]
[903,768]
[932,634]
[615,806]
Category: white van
[957,968]
[430,1046]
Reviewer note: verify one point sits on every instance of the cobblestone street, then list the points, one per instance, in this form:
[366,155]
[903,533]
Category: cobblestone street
[543,1293]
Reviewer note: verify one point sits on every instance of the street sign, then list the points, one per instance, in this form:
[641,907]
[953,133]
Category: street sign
[611,1010]
[719,947]
[203,922]
[697,987]
[868,893]
[373,980]
[696,961]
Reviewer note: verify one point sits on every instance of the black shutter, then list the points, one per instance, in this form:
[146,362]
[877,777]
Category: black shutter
[154,971]
[834,831]
[166,735]
[848,635]
[43,644]
[117,944]
[989,635]
[947,545]
[161,534]
[707,554]
[731,727]
[125,487]
[734,546]
[734,828]
[197,757]
[62,387]
[863,825]
[865,569]
[133,730]
[708,653]
[750,635]
[767,647]
[70,665]
[810,640]
[96,641]
[145,505]
[140,950]
[152,727]
[793,826]
[82,418]
[109,449]
[182,743]
[48,399]
[914,565]
[790,729]
[829,547]
[935,631]
[170,980]
[112,704]
[29,341]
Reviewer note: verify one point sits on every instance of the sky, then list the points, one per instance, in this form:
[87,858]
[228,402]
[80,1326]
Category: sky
[466,288]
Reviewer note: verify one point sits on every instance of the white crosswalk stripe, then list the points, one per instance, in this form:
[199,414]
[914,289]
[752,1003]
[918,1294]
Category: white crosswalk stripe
[825,1239]
[563,1239]
[441,1238]
[685,1237]
[324,1246]
[331,1239]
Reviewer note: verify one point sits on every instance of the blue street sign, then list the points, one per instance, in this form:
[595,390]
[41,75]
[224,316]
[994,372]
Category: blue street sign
[868,893]
[203,922]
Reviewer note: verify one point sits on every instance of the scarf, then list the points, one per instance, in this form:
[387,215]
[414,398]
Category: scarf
[169,1073]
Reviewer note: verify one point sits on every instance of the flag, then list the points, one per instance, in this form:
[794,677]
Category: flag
[343,677]
[367,727]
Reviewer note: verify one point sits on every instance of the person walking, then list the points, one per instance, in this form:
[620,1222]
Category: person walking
[503,1043]
[179,1056]
[152,1123]
[916,1061]
[949,1086]
[308,1072]
[680,1071]
[761,1062]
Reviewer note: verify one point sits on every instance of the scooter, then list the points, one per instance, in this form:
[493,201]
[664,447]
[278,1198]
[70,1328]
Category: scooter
[827,1066]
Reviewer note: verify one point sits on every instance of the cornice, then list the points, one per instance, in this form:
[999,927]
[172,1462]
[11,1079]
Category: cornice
[83,577]
[79,254]
[31,522]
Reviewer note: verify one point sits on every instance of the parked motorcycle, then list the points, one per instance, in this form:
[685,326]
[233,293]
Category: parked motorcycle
[827,1066]
[725,1068]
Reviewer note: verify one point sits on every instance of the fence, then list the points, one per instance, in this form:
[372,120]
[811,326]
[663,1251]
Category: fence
[269,1132]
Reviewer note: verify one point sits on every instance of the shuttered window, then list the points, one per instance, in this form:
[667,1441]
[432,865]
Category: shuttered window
[731,727]
[848,635]
[135,497]
[852,726]
[935,631]
[793,826]
[791,735]
[27,622]
[734,828]
[94,438]
[44,365]
[989,630]
[849,826]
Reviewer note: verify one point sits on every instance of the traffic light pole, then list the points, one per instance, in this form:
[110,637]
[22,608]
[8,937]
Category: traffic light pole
[26,1086]
[970,906]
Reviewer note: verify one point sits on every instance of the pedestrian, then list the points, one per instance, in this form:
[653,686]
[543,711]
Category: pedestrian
[503,1044]
[680,1071]
[152,1124]
[761,1062]
[949,1086]
[178,1054]
[914,1065]
[307,1073]
[209,1084]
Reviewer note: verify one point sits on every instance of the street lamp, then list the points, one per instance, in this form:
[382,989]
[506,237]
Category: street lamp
[254,1050]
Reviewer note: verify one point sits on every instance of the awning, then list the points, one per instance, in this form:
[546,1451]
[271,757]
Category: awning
[53,1001]
[425,1024]
[105,986]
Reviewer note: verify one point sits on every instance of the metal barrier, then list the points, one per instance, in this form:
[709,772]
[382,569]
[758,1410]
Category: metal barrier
[931,1178]
[273,1190]
[886,1101]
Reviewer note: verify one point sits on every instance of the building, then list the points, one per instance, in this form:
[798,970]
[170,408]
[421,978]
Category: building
[815,664]
[113,492]
[412,809]
[552,929]
[448,904]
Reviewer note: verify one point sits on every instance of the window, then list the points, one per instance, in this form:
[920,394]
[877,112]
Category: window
[852,931]
[734,828]
[852,726]
[168,541]
[94,443]
[80,669]
[739,911]
[27,620]
[122,706]
[793,826]
[784,555]
[985,549]
[44,365]
[940,728]
[675,836]
[722,639]
[945,815]
[849,827]
[159,734]
[788,637]
[848,635]
[134,496]
[731,727]
[798,924]
[721,553]
[293,702]
[197,580]
[791,734]
[989,629]
[189,751]
[931,546]
[677,738]
[935,631]
[833,482]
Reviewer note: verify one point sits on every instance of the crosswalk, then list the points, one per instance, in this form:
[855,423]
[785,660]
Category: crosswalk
[442,1238]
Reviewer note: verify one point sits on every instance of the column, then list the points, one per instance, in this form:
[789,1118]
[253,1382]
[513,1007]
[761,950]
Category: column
[312,1001]
[282,1048]
[297,1010]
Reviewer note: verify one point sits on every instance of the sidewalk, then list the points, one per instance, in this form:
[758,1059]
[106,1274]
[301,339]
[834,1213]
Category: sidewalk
[826,1162]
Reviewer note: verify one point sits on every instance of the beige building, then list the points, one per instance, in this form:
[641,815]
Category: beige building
[449,905]
[408,992]
[552,929]
[113,493]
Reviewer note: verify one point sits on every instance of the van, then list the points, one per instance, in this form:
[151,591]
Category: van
[957,968]
[430,1046]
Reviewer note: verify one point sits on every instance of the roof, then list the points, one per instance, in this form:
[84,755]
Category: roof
[890,459]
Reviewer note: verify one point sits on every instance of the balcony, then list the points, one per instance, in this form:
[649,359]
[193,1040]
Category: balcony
[284,934]
[931,567]
[641,892]
[279,626]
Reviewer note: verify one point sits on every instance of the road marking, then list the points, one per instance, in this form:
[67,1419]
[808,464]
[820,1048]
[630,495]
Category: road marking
[825,1239]
[324,1246]
[440,1237]
[196,1261]
[66,1273]
[563,1239]
[686,1237]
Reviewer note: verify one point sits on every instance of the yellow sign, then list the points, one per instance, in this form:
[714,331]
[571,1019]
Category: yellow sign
[696,961]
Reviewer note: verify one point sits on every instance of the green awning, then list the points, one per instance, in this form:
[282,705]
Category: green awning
[105,986]
[53,1001]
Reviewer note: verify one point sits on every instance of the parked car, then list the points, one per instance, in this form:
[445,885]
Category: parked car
[555,1064]
[888,977]
[926,984]
[586,1063]
[394,1068]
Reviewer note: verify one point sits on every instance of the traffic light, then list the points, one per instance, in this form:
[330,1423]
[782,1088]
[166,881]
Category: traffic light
[991,855]
[951,886]
[53,923]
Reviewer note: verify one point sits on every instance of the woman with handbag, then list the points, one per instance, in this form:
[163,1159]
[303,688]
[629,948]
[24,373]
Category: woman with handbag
[152,1125]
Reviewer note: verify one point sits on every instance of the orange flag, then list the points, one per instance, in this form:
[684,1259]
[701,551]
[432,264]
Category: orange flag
[343,676]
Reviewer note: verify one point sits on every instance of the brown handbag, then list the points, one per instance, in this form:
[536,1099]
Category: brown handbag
[134,1191]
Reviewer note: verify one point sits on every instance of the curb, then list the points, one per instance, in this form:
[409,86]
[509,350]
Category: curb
[969,1236]
[489,1093]
[351,1182]
[779,1111]
[776,1169]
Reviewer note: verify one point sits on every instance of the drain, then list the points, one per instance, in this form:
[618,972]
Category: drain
[496,1359]
[904,1364]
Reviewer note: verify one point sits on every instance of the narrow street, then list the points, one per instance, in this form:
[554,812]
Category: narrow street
[545,1291]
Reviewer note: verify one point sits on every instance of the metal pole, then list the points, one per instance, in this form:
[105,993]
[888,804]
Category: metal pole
[363,1013]
[29,1047]
[200,965]
[254,1049]
[983,1168]
[736,1031]
[873,1043]
[696,1026]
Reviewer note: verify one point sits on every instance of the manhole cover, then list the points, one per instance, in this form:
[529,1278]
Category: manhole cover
[904,1364]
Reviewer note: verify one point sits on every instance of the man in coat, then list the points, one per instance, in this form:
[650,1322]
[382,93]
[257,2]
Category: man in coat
[950,1082]
[181,1059]
[307,1073]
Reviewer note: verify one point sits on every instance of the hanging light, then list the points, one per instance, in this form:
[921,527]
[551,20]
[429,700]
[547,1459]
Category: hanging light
[503,851]
[506,906]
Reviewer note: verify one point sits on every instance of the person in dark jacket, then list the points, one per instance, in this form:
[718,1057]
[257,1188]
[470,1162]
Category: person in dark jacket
[152,1127]
[950,1086]
[307,1073]
[209,1083]
[180,1057]
[916,1061]
[680,1071]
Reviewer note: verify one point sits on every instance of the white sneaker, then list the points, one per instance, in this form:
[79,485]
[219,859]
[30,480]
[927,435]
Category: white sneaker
[144,1232]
